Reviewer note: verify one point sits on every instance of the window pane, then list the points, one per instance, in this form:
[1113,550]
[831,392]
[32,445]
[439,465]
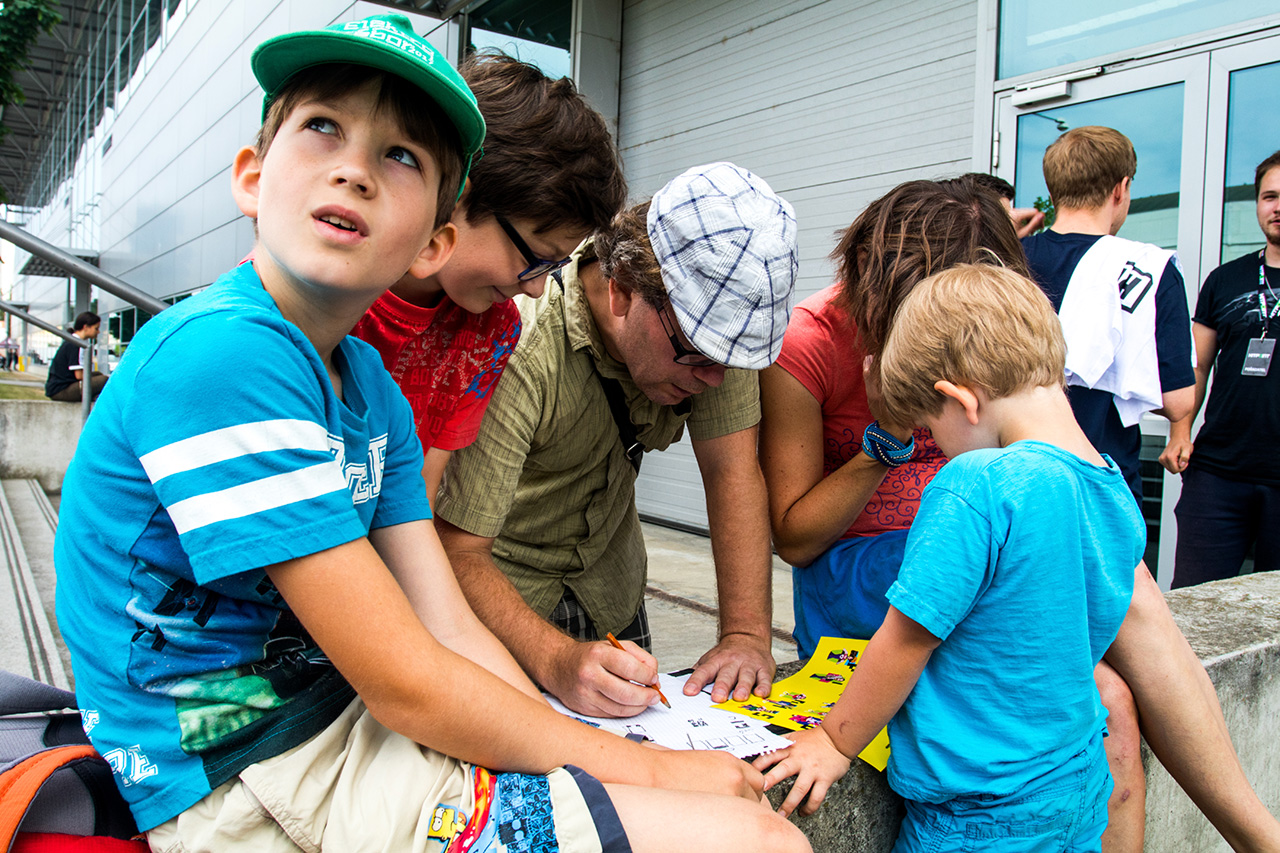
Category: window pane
[535,31]
[1039,35]
[1152,119]
[1253,134]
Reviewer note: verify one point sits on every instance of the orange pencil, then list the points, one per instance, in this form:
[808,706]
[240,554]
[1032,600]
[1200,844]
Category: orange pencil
[614,641]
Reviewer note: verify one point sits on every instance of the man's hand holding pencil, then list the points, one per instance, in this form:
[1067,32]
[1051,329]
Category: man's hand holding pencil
[613,641]
[602,679]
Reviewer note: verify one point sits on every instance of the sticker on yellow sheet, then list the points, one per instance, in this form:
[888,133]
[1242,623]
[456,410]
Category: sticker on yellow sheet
[801,701]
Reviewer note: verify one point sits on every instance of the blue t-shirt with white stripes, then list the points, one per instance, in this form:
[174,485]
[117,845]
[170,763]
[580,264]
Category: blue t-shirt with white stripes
[218,448]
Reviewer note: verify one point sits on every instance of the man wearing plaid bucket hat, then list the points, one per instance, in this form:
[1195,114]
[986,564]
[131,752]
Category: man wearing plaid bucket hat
[658,321]
[270,648]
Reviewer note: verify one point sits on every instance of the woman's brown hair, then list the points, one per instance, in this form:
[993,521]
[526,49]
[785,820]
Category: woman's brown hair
[915,230]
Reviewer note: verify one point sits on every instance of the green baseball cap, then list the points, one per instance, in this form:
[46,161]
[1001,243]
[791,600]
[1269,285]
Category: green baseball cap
[385,42]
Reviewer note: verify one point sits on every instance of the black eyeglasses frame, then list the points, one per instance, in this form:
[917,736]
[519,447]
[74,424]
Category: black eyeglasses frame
[538,267]
[683,355]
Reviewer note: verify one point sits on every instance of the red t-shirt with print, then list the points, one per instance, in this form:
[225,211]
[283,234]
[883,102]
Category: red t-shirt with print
[445,359]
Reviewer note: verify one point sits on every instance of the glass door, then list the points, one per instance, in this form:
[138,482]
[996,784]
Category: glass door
[1200,125]
[1162,108]
[1244,129]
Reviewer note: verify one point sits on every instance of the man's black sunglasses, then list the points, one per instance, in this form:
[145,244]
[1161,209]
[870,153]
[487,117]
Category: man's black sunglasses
[538,267]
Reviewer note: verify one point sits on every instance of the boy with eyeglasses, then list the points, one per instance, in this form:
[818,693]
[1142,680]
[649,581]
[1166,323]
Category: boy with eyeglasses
[548,177]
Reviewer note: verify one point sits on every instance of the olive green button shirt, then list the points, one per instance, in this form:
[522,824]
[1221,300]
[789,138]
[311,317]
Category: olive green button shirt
[547,477]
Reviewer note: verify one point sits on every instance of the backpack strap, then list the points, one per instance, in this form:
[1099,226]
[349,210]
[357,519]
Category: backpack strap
[21,782]
[631,445]
[617,398]
[21,695]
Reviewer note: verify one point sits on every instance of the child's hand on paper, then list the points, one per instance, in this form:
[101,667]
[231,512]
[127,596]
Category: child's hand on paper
[815,762]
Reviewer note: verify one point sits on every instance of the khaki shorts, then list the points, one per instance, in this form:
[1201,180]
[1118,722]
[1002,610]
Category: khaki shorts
[360,786]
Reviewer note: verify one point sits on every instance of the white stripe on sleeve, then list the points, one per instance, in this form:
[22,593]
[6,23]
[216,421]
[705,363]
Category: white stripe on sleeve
[220,445]
[258,496]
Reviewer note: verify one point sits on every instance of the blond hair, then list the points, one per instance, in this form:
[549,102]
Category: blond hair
[977,325]
[1083,166]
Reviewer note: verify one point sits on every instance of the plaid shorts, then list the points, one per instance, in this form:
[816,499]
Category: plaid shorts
[571,618]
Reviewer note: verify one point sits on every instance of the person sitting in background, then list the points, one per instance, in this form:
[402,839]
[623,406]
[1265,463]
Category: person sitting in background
[66,372]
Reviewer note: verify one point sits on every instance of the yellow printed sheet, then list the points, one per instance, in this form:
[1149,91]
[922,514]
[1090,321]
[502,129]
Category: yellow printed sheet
[801,701]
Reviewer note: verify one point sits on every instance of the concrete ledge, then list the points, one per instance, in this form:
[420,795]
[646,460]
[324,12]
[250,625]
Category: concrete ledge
[1234,627]
[37,440]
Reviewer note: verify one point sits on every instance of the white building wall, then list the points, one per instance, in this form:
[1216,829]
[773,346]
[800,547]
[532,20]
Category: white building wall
[170,224]
[833,103]
[51,299]
[53,224]
[158,209]
[70,221]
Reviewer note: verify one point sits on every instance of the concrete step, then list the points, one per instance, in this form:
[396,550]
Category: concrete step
[31,646]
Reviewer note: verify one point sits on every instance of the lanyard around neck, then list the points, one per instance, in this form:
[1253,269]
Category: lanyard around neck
[1264,288]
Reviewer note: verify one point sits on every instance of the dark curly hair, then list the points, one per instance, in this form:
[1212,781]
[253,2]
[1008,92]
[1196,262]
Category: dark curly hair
[627,257]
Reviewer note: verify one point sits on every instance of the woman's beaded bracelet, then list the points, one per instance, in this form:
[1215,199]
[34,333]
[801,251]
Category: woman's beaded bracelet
[885,448]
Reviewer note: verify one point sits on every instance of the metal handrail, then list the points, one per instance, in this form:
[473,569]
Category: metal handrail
[77,268]
[86,379]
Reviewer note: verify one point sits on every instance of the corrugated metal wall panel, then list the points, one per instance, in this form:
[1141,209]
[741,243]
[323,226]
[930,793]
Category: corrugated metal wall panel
[833,102]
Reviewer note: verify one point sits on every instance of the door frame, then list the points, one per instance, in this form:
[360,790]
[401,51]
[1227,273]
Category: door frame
[1193,73]
[1222,63]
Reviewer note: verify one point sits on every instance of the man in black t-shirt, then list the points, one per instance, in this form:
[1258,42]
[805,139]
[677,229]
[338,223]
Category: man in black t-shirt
[1230,476]
[67,368]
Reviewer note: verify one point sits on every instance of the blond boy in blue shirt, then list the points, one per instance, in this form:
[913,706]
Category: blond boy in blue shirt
[1017,574]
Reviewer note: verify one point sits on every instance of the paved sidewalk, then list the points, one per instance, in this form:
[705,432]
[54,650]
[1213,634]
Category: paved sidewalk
[681,599]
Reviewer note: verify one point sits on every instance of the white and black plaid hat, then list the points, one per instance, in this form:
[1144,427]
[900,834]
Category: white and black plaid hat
[726,244]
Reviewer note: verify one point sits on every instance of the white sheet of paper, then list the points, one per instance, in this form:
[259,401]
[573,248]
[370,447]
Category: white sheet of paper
[690,723]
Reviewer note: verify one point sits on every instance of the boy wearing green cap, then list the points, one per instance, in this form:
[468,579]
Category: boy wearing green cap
[269,645]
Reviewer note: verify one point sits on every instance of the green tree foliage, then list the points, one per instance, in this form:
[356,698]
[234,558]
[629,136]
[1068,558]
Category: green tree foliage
[21,23]
[1046,207]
